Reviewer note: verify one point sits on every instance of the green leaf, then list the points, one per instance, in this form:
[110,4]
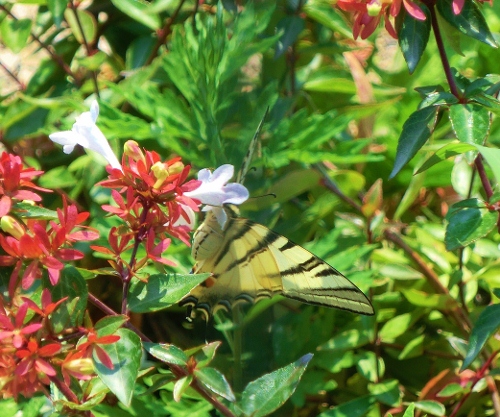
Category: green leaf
[139,51]
[447,151]
[29,211]
[85,21]
[354,408]
[439,98]
[15,33]
[492,156]
[203,354]
[470,122]
[161,291]
[436,301]
[70,313]
[416,130]
[59,177]
[348,339]
[141,12]
[431,407]
[109,324]
[57,8]
[166,352]
[469,21]
[215,382]
[291,26]
[387,392]
[396,327]
[452,389]
[467,225]
[413,37]
[126,357]
[410,411]
[486,325]
[264,395]
[181,385]
[413,348]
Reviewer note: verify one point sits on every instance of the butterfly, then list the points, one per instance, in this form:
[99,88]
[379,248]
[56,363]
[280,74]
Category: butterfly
[249,262]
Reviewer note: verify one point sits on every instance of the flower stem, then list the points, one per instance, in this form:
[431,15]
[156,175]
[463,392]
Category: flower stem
[442,53]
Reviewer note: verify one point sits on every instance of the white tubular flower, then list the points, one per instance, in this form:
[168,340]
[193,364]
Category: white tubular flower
[86,133]
[214,191]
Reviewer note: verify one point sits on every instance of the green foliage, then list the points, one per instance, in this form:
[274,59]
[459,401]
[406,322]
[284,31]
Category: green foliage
[396,188]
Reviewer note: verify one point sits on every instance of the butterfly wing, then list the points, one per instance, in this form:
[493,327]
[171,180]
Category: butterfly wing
[249,262]
[242,268]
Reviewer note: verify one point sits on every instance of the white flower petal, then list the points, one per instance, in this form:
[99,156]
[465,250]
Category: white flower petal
[235,194]
[220,214]
[222,174]
[86,133]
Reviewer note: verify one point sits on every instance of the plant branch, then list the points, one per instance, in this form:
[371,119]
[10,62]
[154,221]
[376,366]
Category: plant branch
[61,386]
[442,53]
[164,32]
[482,175]
[458,314]
[56,58]
[22,86]
[177,370]
[330,184]
[86,44]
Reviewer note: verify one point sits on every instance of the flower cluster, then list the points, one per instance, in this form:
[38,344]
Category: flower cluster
[367,14]
[33,355]
[155,201]
[16,182]
[33,244]
[153,198]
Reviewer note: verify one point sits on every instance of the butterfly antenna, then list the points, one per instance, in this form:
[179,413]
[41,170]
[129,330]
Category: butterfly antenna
[253,145]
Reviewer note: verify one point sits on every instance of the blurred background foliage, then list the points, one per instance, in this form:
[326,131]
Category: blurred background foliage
[194,79]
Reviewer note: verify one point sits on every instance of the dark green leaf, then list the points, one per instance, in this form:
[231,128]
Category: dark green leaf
[264,395]
[126,358]
[166,353]
[161,291]
[439,98]
[467,225]
[70,313]
[139,51]
[354,408]
[387,392]
[413,348]
[413,37]
[291,26]
[469,21]
[215,382]
[416,130]
[487,323]
[470,122]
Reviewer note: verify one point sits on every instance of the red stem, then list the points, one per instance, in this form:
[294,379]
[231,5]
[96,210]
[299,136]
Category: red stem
[442,53]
